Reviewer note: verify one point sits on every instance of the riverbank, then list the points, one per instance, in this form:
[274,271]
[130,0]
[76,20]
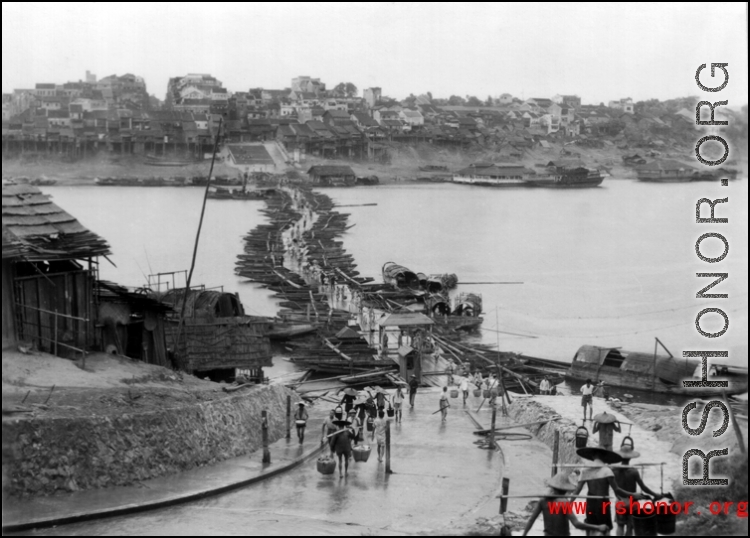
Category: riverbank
[403,166]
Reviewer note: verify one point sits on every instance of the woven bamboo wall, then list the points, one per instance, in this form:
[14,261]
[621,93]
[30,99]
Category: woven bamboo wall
[223,343]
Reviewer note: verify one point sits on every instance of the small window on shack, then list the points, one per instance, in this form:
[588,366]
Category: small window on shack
[614,358]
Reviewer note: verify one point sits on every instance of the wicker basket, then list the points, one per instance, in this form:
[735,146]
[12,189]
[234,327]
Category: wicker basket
[326,465]
[454,393]
[361,452]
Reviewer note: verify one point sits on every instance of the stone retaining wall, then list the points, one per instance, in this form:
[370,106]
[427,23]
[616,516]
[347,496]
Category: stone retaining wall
[69,454]
[524,411]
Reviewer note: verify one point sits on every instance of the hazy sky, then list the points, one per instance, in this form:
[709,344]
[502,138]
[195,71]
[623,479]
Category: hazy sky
[598,51]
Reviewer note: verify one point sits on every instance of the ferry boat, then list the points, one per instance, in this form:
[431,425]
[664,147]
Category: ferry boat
[566,178]
[651,372]
[492,175]
[667,171]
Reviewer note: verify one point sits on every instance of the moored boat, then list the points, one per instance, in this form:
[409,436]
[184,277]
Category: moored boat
[399,276]
[652,372]
[666,171]
[558,177]
[492,175]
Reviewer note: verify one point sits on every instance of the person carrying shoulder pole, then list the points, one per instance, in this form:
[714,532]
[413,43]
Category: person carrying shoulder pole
[558,523]
[444,404]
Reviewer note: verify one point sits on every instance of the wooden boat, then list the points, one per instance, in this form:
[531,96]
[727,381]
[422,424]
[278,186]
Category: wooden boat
[467,304]
[399,276]
[433,168]
[667,171]
[566,178]
[220,193]
[651,372]
[714,175]
[492,175]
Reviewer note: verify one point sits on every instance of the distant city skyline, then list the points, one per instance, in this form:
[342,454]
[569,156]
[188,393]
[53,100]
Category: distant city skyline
[600,52]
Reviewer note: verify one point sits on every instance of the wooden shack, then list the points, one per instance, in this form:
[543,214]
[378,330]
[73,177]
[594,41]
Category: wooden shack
[49,262]
[217,337]
[332,176]
[409,356]
[131,323]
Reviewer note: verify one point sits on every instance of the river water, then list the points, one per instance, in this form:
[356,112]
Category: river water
[612,266]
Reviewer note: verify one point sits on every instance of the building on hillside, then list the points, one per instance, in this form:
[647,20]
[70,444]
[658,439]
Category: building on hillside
[308,84]
[335,117]
[193,86]
[505,99]
[541,102]
[44,89]
[413,118]
[372,96]
[571,100]
[49,262]
[626,105]
[362,120]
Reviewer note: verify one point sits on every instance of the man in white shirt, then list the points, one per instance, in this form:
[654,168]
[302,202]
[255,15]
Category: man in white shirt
[544,386]
[588,398]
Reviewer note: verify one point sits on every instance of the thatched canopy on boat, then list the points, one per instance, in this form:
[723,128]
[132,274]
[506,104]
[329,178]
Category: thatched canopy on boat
[437,304]
[204,303]
[668,369]
[411,319]
[467,304]
[399,276]
[430,283]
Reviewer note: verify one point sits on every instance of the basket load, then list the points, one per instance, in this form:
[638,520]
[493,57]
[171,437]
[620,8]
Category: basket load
[361,452]
[326,465]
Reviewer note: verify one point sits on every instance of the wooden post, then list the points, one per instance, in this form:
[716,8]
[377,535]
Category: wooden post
[388,447]
[264,426]
[555,452]
[504,495]
[55,352]
[289,416]
[492,427]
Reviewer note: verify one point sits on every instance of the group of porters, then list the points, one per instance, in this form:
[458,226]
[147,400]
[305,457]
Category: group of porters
[362,412]
[643,514]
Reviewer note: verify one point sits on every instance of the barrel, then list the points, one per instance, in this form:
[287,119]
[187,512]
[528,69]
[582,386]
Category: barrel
[477,393]
[454,393]
[361,453]
[582,437]
[644,524]
[665,522]
[326,465]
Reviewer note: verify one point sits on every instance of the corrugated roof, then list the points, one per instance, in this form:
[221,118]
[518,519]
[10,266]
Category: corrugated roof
[37,229]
